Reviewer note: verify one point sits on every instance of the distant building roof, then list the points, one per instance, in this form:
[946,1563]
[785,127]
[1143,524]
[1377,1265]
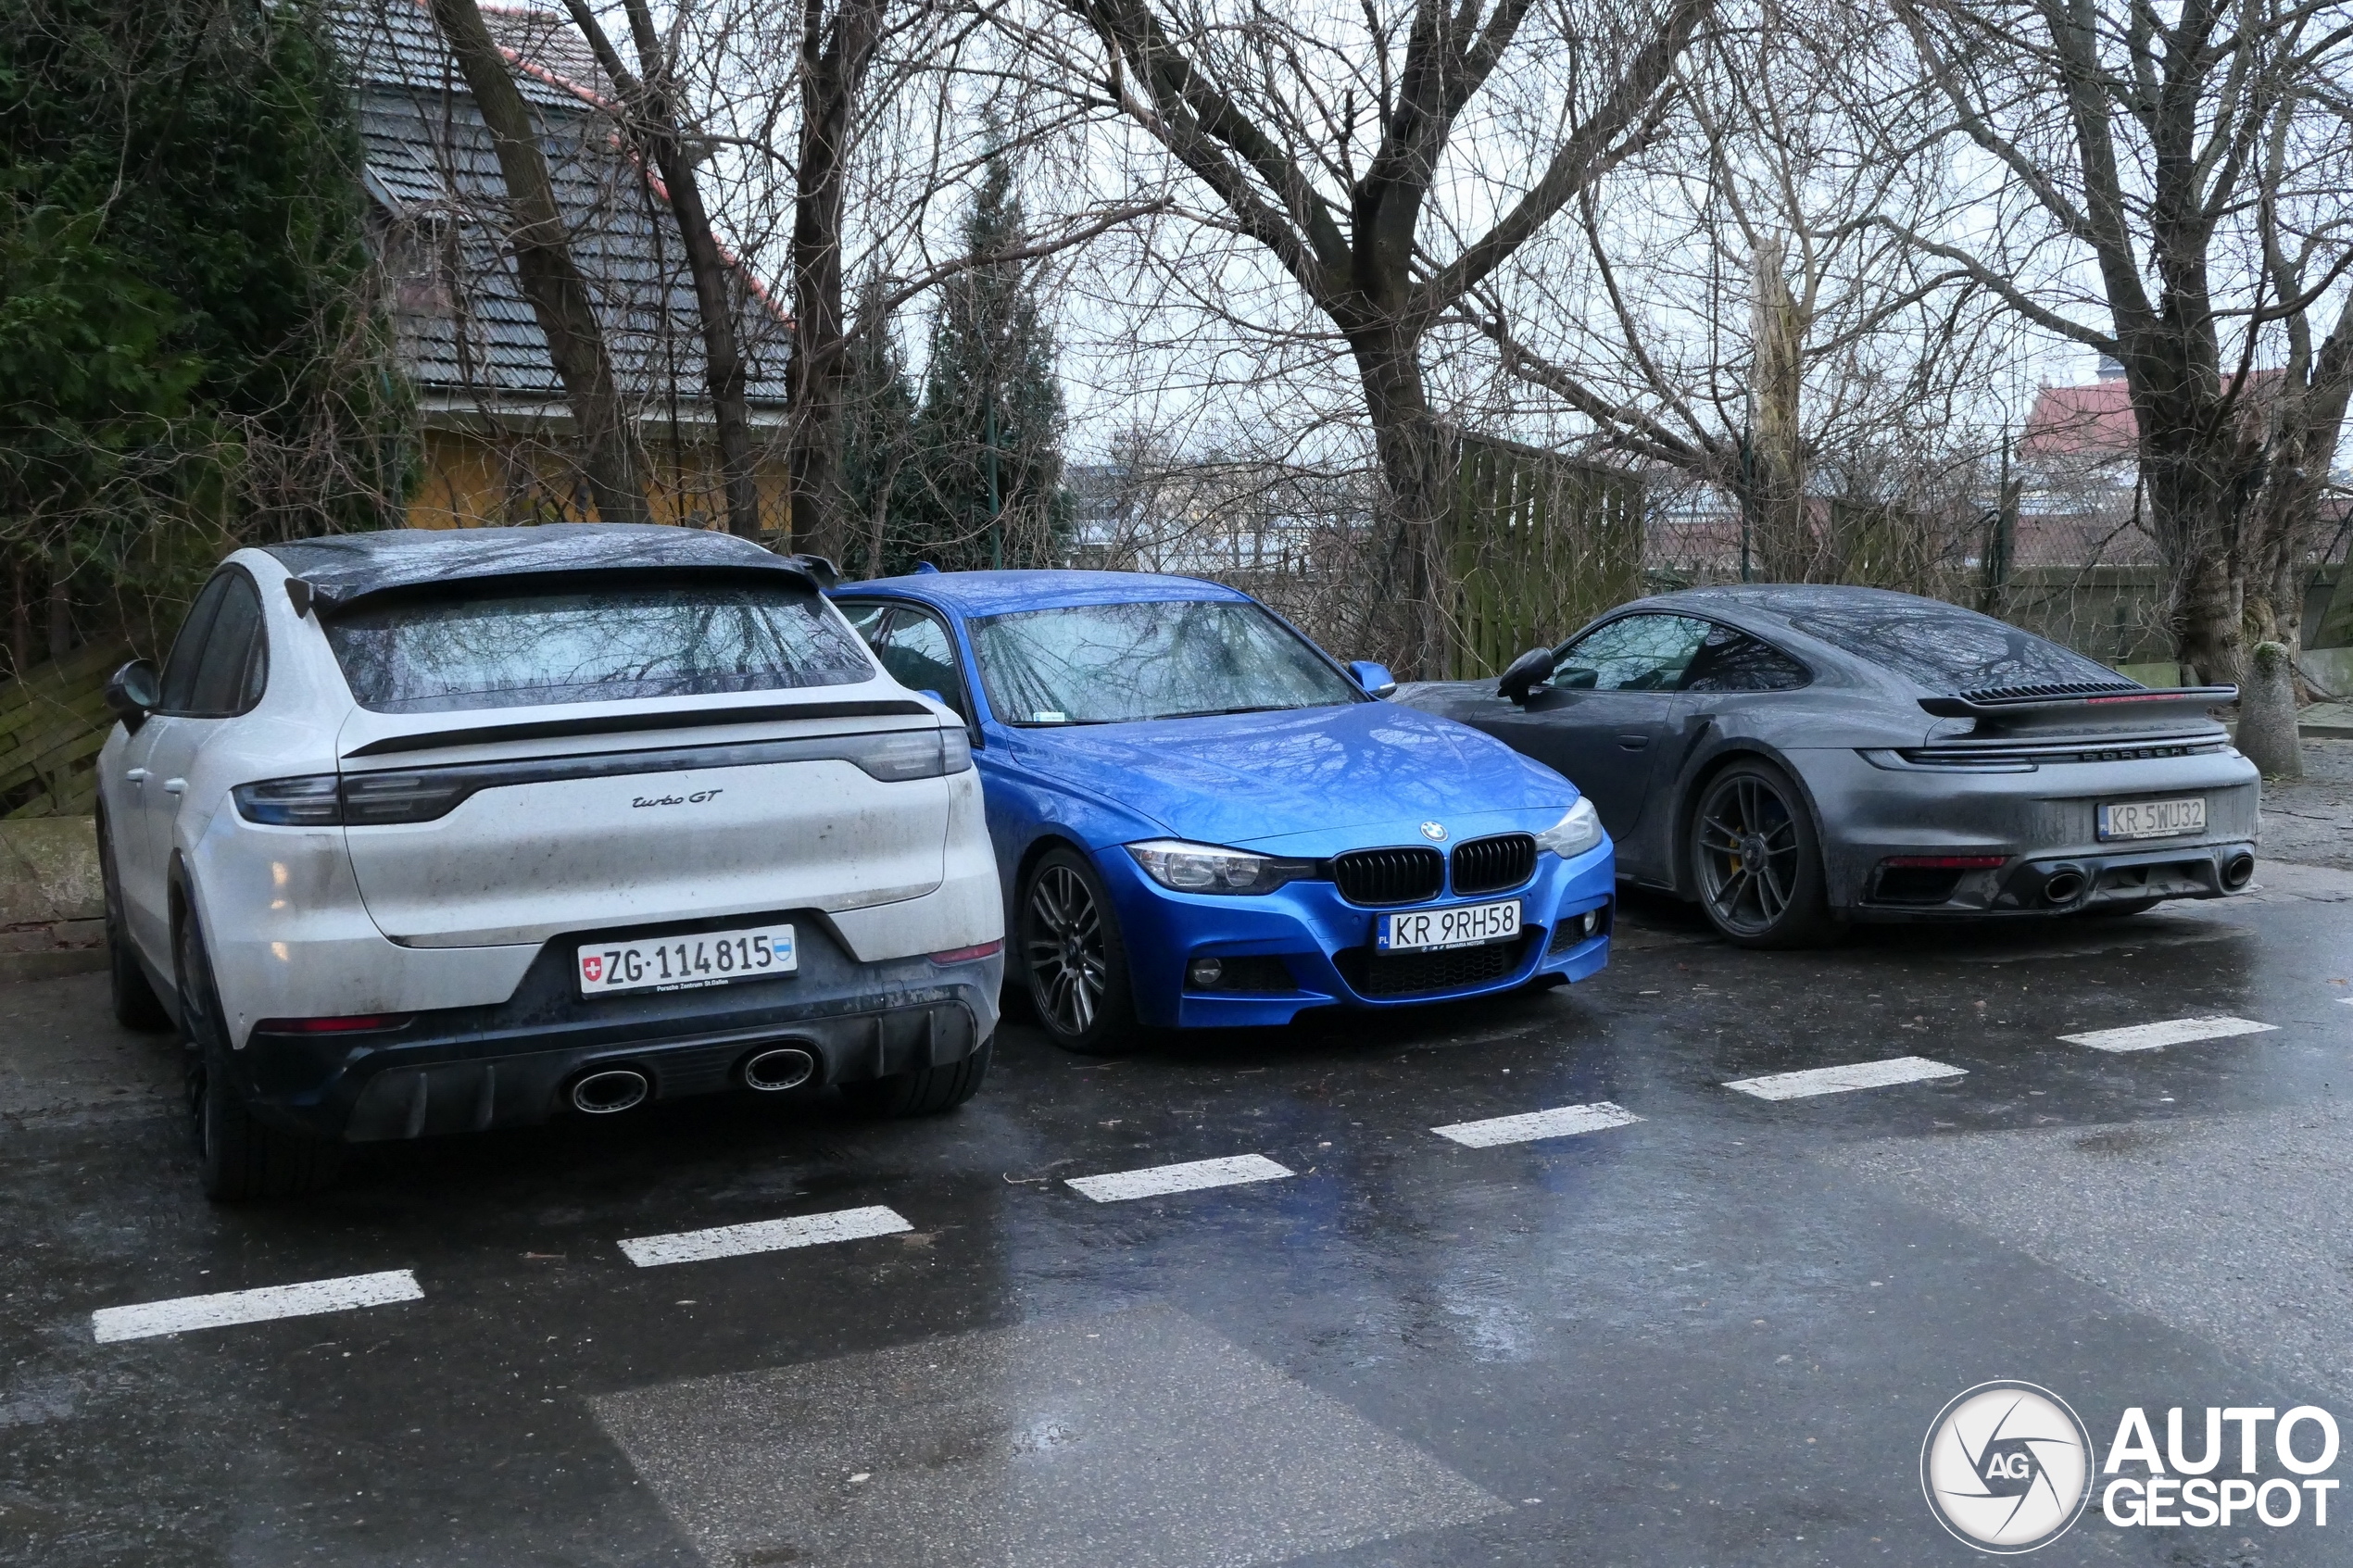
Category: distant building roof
[2093,421]
[466,332]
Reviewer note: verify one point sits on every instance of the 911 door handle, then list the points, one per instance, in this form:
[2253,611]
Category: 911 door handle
[136,775]
[1625,742]
[175,786]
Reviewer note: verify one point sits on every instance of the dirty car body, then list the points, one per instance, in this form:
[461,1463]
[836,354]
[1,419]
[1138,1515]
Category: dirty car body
[1252,854]
[1946,763]
[441,832]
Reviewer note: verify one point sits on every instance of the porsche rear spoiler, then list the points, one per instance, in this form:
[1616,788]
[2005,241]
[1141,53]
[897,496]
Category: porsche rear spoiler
[2168,702]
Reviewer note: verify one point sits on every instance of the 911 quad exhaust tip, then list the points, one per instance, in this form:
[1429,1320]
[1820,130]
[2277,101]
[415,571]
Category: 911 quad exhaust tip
[785,1067]
[609,1090]
[2064,886]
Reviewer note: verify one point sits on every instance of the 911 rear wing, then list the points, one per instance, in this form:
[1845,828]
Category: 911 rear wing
[2113,705]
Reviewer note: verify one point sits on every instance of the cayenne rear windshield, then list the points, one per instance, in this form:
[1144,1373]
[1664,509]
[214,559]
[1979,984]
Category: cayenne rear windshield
[1178,659]
[650,639]
[1946,648]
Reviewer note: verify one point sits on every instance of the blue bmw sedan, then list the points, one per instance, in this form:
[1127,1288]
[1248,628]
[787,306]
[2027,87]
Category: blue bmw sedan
[1203,819]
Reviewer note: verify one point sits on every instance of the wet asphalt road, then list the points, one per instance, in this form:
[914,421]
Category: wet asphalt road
[1715,1335]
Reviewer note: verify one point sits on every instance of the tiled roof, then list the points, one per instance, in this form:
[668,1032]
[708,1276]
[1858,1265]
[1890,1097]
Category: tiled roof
[465,331]
[2080,421]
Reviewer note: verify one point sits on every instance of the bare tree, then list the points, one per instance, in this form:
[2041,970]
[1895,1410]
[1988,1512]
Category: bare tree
[2128,208]
[652,106]
[1728,314]
[550,280]
[837,49]
[1328,144]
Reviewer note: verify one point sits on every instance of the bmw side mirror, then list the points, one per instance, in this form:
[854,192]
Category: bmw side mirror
[1376,679]
[132,693]
[1525,674]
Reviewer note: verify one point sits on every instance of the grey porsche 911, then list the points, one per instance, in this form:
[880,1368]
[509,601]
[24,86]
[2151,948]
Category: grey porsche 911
[1797,758]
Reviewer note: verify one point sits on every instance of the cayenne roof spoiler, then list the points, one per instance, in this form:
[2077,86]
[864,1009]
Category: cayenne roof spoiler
[2027,699]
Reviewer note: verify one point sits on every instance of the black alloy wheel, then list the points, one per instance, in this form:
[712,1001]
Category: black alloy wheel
[1758,862]
[1073,959]
[239,1156]
[135,1001]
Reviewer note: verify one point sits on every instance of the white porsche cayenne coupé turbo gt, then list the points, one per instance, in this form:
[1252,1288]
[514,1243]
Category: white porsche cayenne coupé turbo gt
[421,832]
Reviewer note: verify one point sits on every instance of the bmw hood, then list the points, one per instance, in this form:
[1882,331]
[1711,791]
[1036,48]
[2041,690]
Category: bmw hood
[1249,779]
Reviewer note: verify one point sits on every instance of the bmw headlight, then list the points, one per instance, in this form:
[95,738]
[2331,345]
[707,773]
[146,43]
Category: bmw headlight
[1574,834]
[1205,868]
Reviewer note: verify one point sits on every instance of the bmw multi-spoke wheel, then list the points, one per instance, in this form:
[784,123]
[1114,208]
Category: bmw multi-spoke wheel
[1756,859]
[1072,957]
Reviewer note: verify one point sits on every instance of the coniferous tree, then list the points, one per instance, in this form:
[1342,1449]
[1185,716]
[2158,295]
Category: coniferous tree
[878,447]
[989,434]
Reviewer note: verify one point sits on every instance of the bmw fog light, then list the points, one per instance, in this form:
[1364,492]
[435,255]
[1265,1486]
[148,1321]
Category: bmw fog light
[1204,973]
[1574,834]
[1592,918]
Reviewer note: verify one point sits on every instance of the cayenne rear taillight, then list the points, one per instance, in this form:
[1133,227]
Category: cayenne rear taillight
[968,955]
[329,800]
[350,1023]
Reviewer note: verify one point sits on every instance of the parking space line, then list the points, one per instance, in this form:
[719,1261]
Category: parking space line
[149,1319]
[1117,1187]
[2173,1031]
[1838,1080]
[763,1236]
[1561,1121]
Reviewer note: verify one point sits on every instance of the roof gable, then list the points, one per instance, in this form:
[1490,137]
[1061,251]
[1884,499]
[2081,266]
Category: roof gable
[466,332]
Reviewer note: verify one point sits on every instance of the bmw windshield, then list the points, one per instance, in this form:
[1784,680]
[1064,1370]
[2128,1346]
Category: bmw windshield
[1118,663]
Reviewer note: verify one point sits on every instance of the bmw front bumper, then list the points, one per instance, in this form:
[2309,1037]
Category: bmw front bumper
[1303,945]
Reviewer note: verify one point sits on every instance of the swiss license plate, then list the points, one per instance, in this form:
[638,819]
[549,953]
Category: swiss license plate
[1468,925]
[680,963]
[2152,819]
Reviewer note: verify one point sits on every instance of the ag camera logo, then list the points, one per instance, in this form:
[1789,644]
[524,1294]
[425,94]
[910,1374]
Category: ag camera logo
[2007,1467]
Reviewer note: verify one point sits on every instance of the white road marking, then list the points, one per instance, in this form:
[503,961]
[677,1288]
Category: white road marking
[763,1236]
[183,1312]
[2173,1031]
[1153,1181]
[1559,1122]
[1838,1080]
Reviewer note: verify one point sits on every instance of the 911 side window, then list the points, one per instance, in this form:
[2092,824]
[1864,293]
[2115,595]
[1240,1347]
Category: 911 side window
[1734,661]
[1640,653]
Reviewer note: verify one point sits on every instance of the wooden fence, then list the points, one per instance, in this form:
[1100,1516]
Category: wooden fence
[53,720]
[1536,545]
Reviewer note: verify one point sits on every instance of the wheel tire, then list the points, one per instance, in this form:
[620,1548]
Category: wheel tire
[1757,860]
[927,1091]
[136,1006]
[238,1156]
[1074,965]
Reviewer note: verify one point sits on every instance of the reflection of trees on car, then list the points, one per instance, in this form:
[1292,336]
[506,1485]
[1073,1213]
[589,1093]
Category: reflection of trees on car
[1112,663]
[651,642]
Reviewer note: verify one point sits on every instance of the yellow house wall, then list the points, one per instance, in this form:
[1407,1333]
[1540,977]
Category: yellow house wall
[473,480]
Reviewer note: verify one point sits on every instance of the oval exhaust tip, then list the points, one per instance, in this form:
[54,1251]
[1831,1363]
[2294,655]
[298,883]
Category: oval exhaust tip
[2062,886]
[609,1091]
[787,1067]
[2238,871]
